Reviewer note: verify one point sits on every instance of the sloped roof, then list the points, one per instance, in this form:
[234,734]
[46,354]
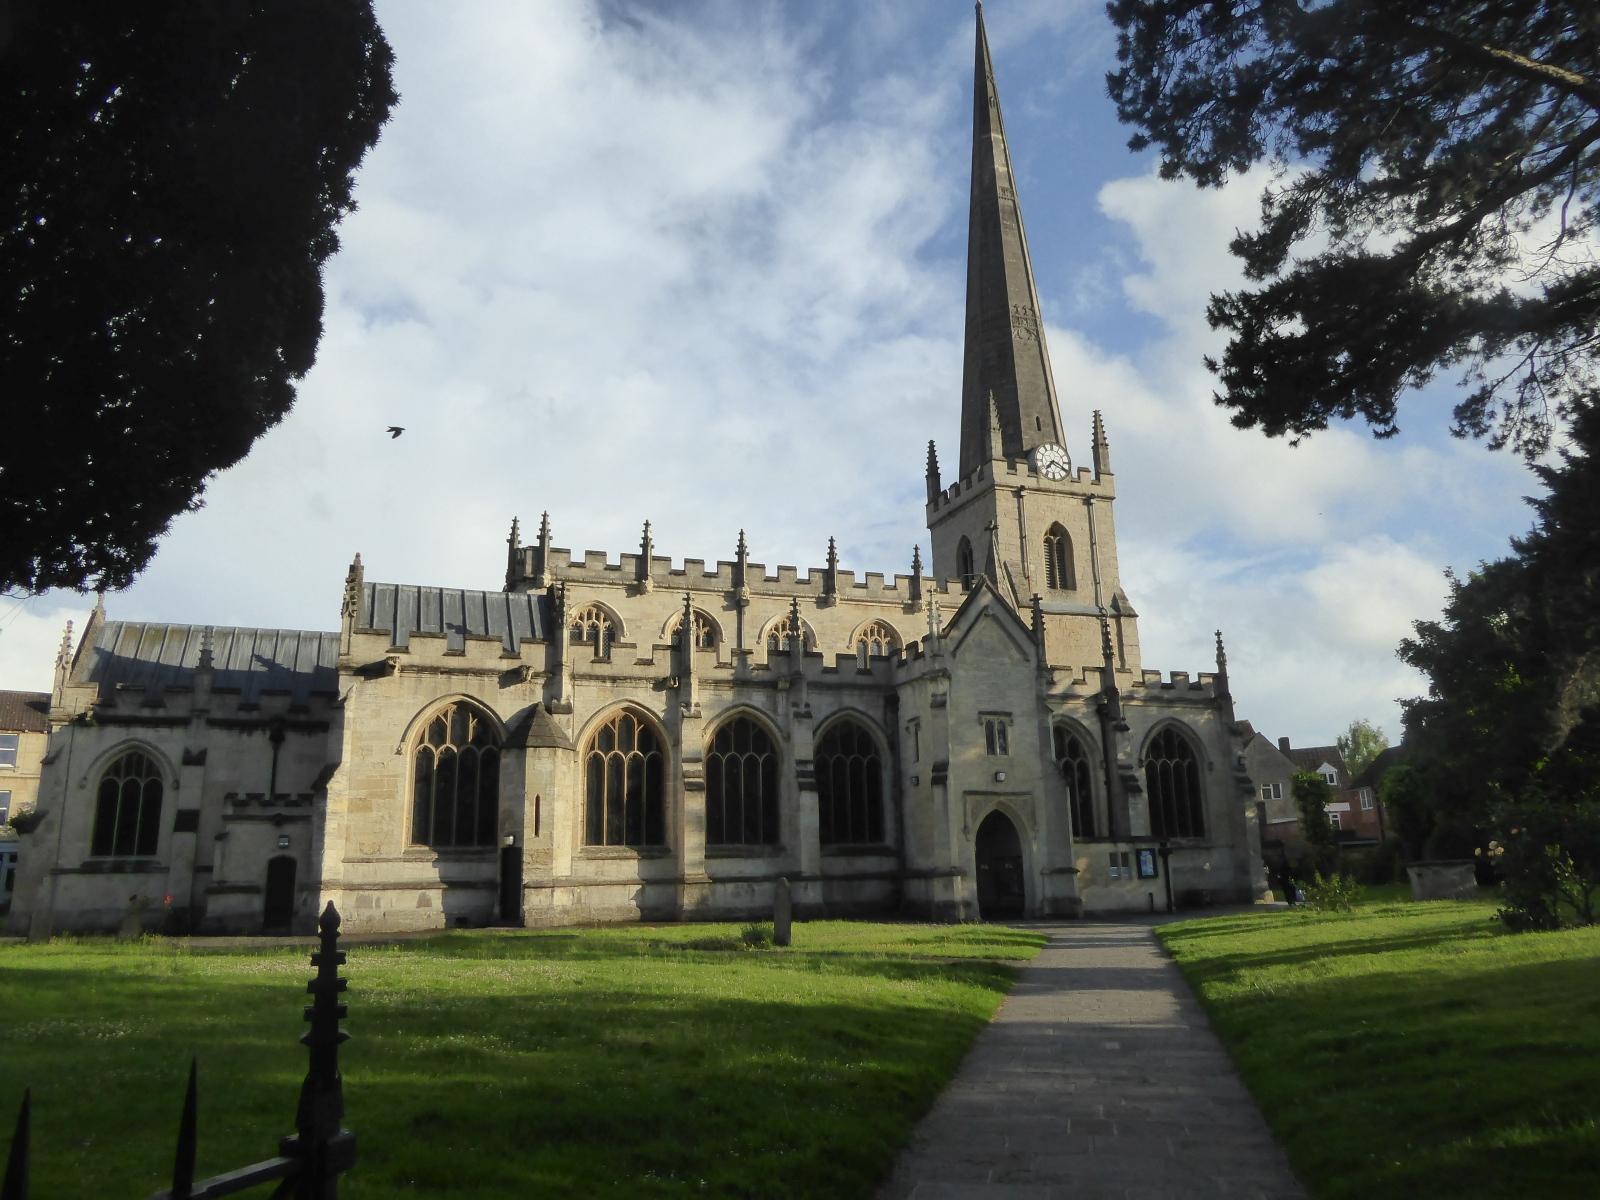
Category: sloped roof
[1309,758]
[537,728]
[24,712]
[401,609]
[152,656]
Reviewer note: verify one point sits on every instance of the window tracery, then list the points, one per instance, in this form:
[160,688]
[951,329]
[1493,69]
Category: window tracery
[742,786]
[592,626]
[781,633]
[1073,760]
[704,631]
[624,773]
[127,816]
[849,775]
[876,640]
[455,787]
[1172,780]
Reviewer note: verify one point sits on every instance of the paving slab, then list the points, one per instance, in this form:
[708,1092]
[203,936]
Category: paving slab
[1098,1077]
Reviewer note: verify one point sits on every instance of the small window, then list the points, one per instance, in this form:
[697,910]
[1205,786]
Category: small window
[592,626]
[1331,778]
[1113,866]
[995,739]
[8,749]
[1333,819]
[5,807]
[1272,791]
[1366,799]
[705,632]
[1058,568]
[876,640]
[914,728]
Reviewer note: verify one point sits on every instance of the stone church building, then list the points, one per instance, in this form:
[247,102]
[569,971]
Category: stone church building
[626,738]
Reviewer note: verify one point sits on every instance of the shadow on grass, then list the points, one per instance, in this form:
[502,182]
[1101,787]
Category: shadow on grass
[1467,1077]
[661,1072]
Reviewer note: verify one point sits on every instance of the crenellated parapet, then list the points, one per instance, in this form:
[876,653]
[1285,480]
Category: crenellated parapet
[1016,472]
[598,568]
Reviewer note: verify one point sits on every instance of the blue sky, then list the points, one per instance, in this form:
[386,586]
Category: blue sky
[703,263]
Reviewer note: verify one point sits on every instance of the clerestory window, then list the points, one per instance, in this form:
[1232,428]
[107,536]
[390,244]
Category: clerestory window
[592,626]
[876,640]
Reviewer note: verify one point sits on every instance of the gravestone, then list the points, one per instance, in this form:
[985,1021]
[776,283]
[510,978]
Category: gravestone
[782,912]
[1442,879]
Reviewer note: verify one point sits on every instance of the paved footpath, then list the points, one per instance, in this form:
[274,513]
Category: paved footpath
[1099,1077]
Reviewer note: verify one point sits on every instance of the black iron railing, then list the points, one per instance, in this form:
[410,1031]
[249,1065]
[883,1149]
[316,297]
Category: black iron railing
[310,1161]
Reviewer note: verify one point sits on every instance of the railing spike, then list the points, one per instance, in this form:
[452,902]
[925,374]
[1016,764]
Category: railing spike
[188,1138]
[15,1185]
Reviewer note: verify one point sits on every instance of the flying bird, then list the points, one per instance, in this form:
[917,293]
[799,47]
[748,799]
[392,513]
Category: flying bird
[395,431]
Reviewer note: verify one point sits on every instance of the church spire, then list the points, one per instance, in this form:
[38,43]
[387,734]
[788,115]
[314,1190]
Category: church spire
[1005,350]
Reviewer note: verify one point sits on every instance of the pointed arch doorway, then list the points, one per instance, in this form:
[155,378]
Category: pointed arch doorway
[1001,894]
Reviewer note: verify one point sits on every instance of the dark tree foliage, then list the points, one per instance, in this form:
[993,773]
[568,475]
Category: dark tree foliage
[1514,664]
[1434,206]
[170,178]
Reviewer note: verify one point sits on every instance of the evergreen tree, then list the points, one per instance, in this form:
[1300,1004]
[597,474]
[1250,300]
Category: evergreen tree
[1434,205]
[171,176]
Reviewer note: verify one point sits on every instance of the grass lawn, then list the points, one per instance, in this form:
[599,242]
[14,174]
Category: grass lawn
[638,1061]
[1412,1049]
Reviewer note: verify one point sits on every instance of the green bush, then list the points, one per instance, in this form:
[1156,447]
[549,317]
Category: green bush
[1548,855]
[757,936]
[1332,893]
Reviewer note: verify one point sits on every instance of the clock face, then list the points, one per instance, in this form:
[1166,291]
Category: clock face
[1052,462]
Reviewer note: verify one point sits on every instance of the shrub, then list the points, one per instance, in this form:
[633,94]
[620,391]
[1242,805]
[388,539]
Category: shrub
[1332,893]
[757,936]
[1548,854]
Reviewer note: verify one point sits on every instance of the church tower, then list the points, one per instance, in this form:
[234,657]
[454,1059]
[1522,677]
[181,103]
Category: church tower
[1019,513]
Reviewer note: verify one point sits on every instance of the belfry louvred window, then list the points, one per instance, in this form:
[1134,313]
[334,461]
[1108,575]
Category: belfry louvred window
[624,772]
[127,815]
[742,786]
[1172,781]
[964,566]
[849,786]
[1073,761]
[455,788]
[1058,569]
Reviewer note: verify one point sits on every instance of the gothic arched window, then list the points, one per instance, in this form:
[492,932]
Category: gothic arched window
[742,786]
[849,786]
[1058,568]
[1172,781]
[624,784]
[1073,761]
[964,566]
[876,640]
[127,815]
[592,626]
[781,633]
[705,632]
[455,786]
